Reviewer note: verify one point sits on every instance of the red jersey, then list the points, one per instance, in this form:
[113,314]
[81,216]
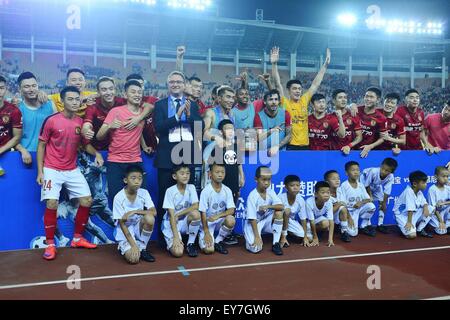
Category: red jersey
[414,123]
[95,115]
[395,128]
[202,107]
[10,117]
[62,137]
[371,124]
[320,131]
[149,132]
[352,124]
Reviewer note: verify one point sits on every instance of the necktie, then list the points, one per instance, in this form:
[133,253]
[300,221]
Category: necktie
[178,104]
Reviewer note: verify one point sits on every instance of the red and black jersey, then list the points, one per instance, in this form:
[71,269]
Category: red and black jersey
[352,124]
[395,127]
[413,126]
[320,131]
[372,124]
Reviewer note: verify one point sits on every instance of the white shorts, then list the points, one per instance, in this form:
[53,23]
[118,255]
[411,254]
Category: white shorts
[316,221]
[402,219]
[135,232]
[378,194]
[212,227]
[336,215]
[182,226]
[264,226]
[73,180]
[445,215]
[296,228]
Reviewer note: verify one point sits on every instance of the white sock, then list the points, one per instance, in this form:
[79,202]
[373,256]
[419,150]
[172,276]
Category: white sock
[423,223]
[380,218]
[223,233]
[277,227]
[194,226]
[344,226]
[145,236]
[365,223]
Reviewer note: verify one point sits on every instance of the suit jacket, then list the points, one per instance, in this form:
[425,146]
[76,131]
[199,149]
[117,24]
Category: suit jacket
[163,125]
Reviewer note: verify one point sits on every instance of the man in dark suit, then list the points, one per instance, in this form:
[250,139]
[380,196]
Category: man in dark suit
[179,128]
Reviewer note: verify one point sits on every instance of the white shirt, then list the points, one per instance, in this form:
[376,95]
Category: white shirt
[371,177]
[255,201]
[436,195]
[121,205]
[175,200]
[297,208]
[213,203]
[349,195]
[409,201]
[312,212]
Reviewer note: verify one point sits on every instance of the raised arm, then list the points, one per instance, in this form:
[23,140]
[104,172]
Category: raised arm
[274,58]
[180,56]
[319,77]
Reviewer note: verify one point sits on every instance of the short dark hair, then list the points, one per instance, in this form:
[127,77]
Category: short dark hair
[321,184]
[375,90]
[68,89]
[74,70]
[134,76]
[291,178]
[104,79]
[316,97]
[132,83]
[133,168]
[194,79]
[417,176]
[328,173]
[259,169]
[293,81]
[270,93]
[223,123]
[178,167]
[24,76]
[3,79]
[336,92]
[411,91]
[351,163]
[392,96]
[222,89]
[439,169]
[392,163]
[219,164]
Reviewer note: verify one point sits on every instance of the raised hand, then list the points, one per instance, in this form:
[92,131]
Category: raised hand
[181,50]
[274,55]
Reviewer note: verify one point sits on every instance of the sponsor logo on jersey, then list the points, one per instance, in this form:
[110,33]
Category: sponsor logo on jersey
[78,130]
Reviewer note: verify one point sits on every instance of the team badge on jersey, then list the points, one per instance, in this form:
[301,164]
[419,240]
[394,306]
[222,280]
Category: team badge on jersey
[78,130]
[393,126]
[5,119]
[373,123]
[349,121]
[325,125]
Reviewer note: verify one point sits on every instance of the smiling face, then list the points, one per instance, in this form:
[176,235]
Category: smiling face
[107,91]
[340,102]
[243,96]
[295,91]
[134,95]
[446,113]
[226,99]
[29,89]
[272,102]
[176,84]
[390,105]
[412,100]
[77,80]
[370,99]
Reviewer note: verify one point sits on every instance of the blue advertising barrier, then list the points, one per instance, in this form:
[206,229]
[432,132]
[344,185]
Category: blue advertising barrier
[21,211]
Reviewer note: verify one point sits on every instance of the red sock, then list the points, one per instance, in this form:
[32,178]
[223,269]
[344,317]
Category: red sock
[81,220]
[50,224]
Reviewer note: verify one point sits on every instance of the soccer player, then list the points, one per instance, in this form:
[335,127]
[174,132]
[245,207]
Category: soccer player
[373,122]
[182,216]
[342,217]
[295,102]
[412,207]
[353,131]
[97,112]
[264,214]
[437,129]
[357,200]
[134,213]
[322,126]
[413,117]
[217,212]
[33,114]
[319,209]
[75,77]
[294,210]
[378,182]
[10,123]
[124,147]
[395,136]
[439,197]
[273,124]
[56,161]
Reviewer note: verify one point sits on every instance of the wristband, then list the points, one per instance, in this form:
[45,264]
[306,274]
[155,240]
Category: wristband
[284,232]
[350,145]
